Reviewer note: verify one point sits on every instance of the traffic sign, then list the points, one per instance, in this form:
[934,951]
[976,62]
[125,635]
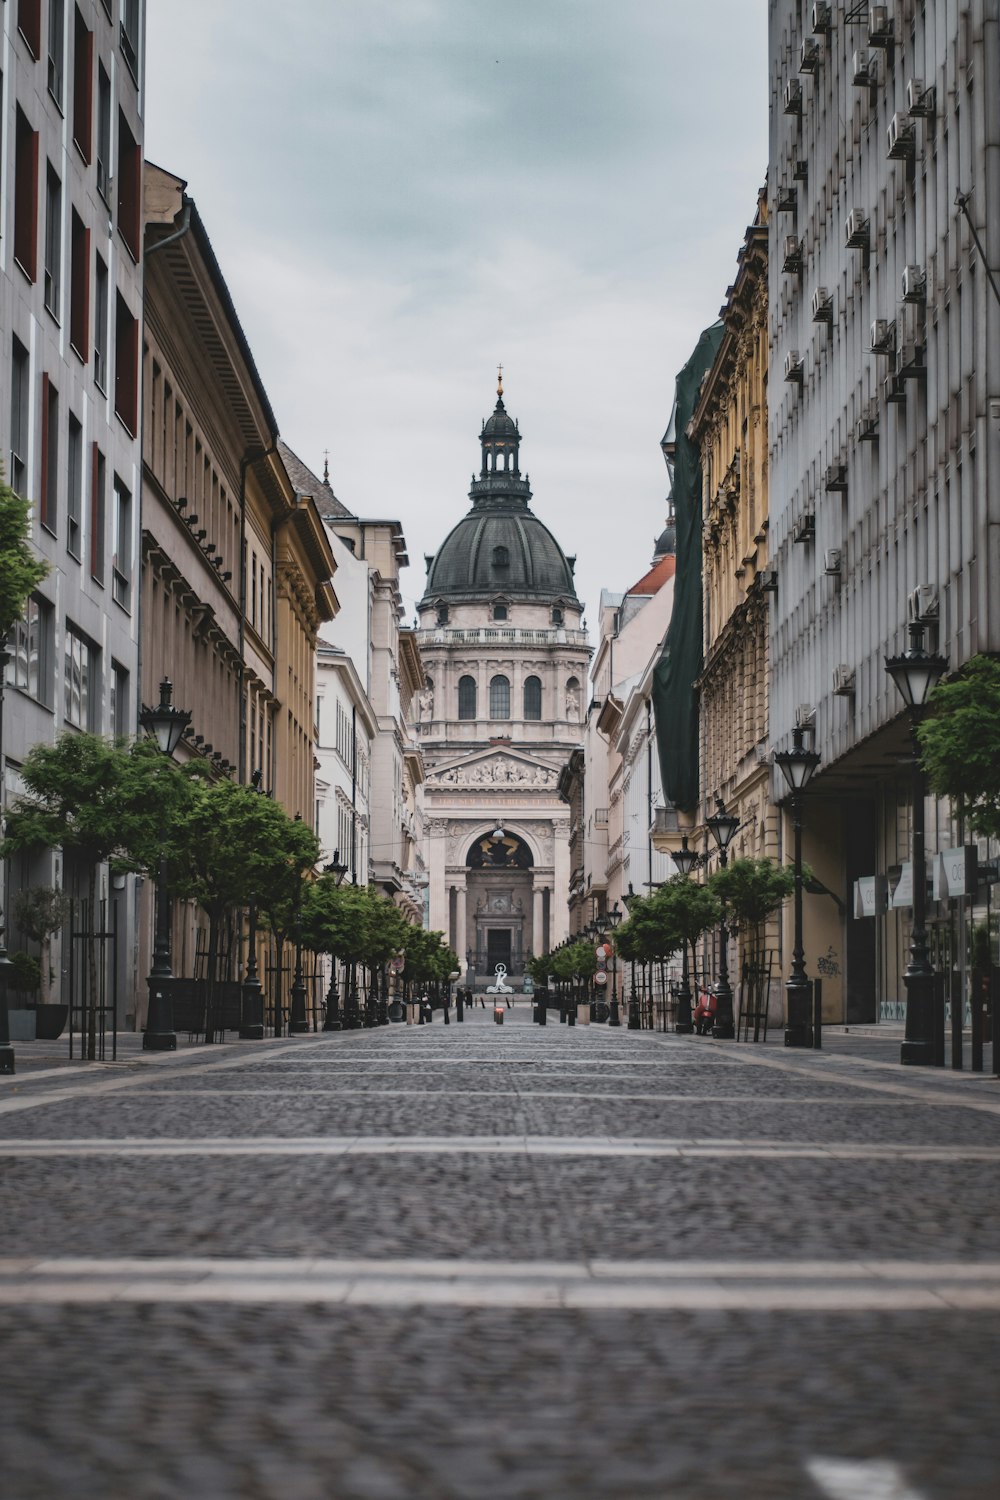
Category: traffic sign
[601,977]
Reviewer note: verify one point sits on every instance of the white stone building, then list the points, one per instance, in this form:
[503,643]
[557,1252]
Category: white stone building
[506,667]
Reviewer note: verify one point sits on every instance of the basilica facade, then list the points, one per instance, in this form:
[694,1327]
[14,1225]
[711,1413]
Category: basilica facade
[506,660]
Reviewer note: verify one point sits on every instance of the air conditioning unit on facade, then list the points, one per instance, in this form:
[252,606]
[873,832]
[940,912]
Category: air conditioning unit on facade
[800,170]
[793,97]
[921,102]
[857,231]
[809,56]
[894,389]
[914,284]
[822,20]
[882,339]
[792,261]
[795,370]
[864,70]
[831,562]
[843,681]
[922,605]
[822,306]
[911,361]
[805,716]
[835,479]
[804,529]
[785,199]
[867,427]
[880,26]
[902,138]
[767,581]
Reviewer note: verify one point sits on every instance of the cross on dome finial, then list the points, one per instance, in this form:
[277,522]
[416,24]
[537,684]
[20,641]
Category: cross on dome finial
[500,382]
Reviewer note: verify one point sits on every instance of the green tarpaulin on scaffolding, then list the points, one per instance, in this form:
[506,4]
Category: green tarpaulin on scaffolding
[675,704]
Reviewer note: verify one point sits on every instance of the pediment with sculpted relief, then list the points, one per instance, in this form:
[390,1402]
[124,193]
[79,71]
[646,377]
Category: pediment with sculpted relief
[478,772]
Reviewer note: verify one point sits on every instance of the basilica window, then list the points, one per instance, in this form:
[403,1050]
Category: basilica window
[466,697]
[499,698]
[557,616]
[532,697]
[442,614]
[501,557]
[499,611]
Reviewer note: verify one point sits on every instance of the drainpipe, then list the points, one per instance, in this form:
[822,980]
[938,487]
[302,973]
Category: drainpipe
[252,456]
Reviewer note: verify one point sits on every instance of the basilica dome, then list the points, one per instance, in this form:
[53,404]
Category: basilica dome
[500,546]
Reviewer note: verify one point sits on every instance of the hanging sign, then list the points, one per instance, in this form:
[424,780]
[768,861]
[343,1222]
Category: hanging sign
[956,872]
[902,896]
[870,896]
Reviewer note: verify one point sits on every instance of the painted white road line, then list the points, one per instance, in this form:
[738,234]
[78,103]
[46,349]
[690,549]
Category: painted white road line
[685,1286]
[515,1145]
[876,1479]
[335,1092]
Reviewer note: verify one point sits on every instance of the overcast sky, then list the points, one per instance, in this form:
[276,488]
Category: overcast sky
[404,193]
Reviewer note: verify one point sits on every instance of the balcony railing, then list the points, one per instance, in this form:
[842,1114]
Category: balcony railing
[493,635]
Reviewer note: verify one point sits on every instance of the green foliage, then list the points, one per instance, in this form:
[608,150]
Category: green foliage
[428,956]
[40,911]
[660,925]
[95,799]
[958,744]
[574,961]
[20,570]
[539,968]
[355,923]
[751,889]
[283,868]
[25,974]
[229,846]
[982,957]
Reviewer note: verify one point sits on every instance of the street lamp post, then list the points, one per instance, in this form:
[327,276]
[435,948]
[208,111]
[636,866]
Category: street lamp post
[685,858]
[6,1050]
[915,673]
[166,724]
[797,766]
[332,1020]
[252,996]
[613,917]
[722,825]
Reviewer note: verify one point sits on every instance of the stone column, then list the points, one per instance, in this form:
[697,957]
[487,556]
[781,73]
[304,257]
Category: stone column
[462,898]
[538,933]
[437,847]
[560,884]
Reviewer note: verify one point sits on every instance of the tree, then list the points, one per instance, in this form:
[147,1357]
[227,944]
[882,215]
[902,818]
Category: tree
[660,925]
[428,956]
[751,889]
[958,744]
[40,913]
[98,802]
[21,571]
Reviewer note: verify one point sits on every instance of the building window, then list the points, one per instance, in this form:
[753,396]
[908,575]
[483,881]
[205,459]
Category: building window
[103,132]
[126,365]
[30,647]
[130,35]
[532,697]
[129,187]
[79,287]
[557,616]
[20,385]
[98,507]
[442,614]
[499,698]
[101,323]
[57,55]
[466,697]
[501,557]
[79,683]
[29,24]
[119,706]
[121,560]
[53,240]
[74,487]
[49,486]
[499,611]
[25,196]
[83,86]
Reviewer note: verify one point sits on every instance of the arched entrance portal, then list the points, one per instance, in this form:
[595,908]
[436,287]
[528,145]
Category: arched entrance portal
[499,884]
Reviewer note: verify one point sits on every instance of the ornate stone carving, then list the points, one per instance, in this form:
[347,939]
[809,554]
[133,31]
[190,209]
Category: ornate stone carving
[498,771]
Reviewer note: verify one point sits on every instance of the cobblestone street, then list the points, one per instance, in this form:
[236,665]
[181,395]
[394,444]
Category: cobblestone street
[495,1262]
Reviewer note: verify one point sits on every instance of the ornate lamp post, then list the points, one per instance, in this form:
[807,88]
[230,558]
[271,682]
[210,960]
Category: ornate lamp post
[333,1021]
[613,917]
[915,673]
[722,825]
[6,1050]
[685,858]
[797,766]
[166,724]
[252,997]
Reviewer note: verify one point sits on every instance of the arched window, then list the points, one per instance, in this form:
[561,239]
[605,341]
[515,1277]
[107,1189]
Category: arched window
[499,698]
[557,616]
[442,614]
[532,697]
[466,697]
[501,557]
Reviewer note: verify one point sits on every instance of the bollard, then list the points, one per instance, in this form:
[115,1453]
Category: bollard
[460,1006]
[498,1014]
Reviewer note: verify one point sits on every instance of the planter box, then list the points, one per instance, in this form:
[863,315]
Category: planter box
[22,1025]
